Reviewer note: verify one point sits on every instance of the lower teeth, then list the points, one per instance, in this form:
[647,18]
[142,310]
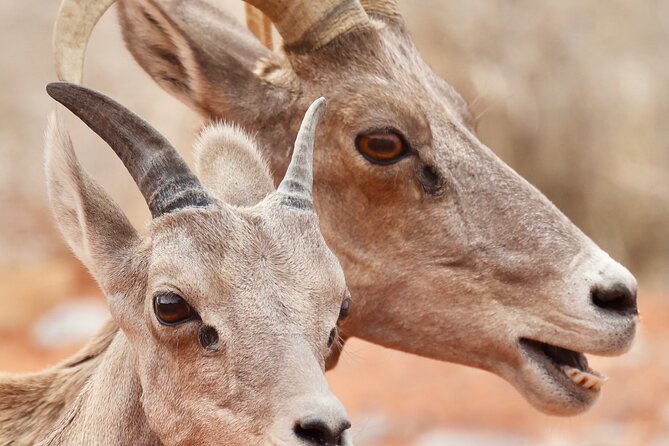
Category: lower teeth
[587,380]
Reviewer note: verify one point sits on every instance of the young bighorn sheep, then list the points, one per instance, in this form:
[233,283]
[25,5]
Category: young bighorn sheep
[223,315]
[448,252]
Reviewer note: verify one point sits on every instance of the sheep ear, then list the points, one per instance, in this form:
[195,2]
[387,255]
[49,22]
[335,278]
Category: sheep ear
[198,53]
[230,167]
[94,227]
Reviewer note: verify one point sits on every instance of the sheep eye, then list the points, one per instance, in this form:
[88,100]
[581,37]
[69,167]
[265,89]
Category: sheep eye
[345,308]
[382,146]
[172,309]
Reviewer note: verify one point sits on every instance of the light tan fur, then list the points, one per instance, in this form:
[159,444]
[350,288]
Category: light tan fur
[258,274]
[233,188]
[31,404]
[448,253]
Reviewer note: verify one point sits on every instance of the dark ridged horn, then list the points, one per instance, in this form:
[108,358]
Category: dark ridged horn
[162,176]
[296,186]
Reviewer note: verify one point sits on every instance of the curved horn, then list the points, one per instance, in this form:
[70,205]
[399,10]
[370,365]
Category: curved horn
[384,9]
[297,184]
[162,176]
[74,24]
[307,25]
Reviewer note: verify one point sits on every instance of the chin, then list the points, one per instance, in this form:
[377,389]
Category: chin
[555,380]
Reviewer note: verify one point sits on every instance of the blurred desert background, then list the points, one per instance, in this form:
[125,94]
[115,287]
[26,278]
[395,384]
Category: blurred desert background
[572,94]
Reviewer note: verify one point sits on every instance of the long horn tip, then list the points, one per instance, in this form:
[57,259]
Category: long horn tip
[58,90]
[54,87]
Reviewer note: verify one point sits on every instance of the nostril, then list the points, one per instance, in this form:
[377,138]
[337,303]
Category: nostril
[619,298]
[317,432]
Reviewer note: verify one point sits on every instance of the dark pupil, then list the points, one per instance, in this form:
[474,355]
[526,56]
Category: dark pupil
[171,308]
[383,145]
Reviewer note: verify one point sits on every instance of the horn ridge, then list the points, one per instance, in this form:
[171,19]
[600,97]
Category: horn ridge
[163,177]
[387,9]
[296,186]
[307,25]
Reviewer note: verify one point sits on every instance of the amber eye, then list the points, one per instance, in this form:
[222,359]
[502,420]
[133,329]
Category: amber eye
[172,309]
[345,308]
[382,146]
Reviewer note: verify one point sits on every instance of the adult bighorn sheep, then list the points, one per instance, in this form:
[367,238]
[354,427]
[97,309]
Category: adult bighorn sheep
[223,315]
[448,252]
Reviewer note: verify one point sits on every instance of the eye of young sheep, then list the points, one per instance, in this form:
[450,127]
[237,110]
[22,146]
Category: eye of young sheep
[382,146]
[172,309]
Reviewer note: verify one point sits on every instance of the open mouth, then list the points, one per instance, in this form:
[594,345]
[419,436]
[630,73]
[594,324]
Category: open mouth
[564,364]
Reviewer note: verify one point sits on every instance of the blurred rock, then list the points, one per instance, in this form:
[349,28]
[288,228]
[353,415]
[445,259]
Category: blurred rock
[447,437]
[371,428]
[70,323]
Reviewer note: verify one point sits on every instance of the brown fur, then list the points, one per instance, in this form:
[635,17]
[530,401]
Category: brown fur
[448,253]
[257,273]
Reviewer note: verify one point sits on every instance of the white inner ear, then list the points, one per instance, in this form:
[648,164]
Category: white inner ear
[63,185]
[230,166]
[93,225]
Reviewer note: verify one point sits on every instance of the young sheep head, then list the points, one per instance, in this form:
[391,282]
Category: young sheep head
[231,302]
[448,252]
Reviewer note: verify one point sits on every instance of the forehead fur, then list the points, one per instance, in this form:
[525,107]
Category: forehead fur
[384,80]
[244,248]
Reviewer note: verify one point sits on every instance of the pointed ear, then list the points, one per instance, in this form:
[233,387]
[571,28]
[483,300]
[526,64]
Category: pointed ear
[197,53]
[230,166]
[93,226]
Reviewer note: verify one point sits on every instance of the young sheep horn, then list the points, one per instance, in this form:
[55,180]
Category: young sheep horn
[74,23]
[296,186]
[162,176]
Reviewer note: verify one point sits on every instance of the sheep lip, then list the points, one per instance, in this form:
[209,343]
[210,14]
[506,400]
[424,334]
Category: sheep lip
[565,367]
[558,355]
